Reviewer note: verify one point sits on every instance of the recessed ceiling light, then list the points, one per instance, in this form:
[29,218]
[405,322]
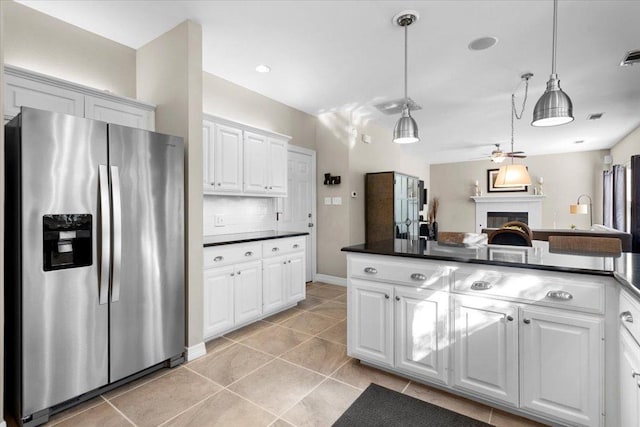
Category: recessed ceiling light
[483,43]
[263,68]
[580,141]
[594,116]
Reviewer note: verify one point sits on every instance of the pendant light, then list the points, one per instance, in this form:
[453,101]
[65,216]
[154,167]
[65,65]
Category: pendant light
[554,107]
[514,175]
[406,129]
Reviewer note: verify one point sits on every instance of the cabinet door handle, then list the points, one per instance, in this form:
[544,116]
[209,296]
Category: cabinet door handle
[238,273]
[510,318]
[397,298]
[370,270]
[218,258]
[626,316]
[296,246]
[481,285]
[526,321]
[232,274]
[266,188]
[212,183]
[275,249]
[634,374]
[560,295]
[418,276]
[289,262]
[386,296]
[219,184]
[248,253]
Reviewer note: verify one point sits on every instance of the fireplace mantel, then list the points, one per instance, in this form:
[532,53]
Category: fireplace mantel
[532,204]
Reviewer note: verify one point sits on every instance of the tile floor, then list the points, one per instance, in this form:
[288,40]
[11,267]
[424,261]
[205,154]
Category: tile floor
[290,369]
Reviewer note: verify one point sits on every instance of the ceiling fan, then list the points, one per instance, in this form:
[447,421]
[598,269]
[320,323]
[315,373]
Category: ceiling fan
[498,156]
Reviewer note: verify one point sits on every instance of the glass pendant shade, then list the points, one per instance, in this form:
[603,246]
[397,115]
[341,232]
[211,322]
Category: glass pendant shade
[512,175]
[406,130]
[554,107]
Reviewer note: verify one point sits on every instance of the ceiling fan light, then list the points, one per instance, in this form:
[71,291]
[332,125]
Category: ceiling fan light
[499,158]
[512,175]
[554,106]
[406,130]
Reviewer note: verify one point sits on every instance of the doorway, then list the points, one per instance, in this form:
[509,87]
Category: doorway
[299,213]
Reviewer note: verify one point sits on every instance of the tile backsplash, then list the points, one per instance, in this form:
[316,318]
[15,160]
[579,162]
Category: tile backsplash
[234,214]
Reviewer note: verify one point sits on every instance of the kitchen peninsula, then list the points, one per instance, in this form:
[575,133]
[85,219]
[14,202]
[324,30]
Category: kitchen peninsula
[521,328]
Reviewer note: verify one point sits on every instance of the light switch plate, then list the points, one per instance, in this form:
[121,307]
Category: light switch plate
[218,220]
[327,200]
[337,200]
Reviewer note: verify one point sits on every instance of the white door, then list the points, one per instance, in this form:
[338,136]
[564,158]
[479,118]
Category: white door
[248,291]
[255,163]
[629,380]
[562,363]
[421,332]
[371,322]
[228,159]
[277,168]
[299,205]
[295,280]
[273,283]
[218,300]
[486,348]
[208,129]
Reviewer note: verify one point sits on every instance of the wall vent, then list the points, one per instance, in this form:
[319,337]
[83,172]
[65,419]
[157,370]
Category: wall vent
[630,58]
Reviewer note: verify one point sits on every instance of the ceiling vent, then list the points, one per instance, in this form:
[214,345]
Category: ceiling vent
[630,58]
[594,116]
[395,106]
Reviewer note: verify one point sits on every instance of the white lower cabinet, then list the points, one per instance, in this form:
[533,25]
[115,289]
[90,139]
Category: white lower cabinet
[422,332]
[284,281]
[629,377]
[218,300]
[486,347]
[562,361]
[295,289]
[371,322]
[233,296]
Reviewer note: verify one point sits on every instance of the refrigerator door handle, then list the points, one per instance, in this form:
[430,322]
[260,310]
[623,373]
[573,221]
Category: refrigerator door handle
[117,234]
[105,221]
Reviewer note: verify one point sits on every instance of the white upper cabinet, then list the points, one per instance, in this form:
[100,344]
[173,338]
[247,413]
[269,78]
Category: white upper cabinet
[242,160]
[227,154]
[255,164]
[277,181]
[118,113]
[24,88]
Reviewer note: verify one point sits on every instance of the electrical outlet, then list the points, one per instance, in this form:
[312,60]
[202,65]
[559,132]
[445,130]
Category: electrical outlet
[218,220]
[337,200]
[327,200]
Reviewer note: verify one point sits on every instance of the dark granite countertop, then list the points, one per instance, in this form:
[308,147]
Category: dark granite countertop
[228,239]
[625,268]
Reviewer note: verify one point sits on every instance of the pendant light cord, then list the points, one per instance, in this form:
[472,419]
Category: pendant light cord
[555,31]
[406,99]
[514,112]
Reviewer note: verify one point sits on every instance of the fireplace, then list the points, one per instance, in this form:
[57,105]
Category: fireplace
[496,219]
[493,211]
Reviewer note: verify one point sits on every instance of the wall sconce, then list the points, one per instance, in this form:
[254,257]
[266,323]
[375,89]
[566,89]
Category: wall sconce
[583,209]
[331,180]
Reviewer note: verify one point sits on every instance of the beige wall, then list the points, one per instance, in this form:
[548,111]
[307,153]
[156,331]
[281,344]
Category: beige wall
[225,99]
[342,153]
[2,41]
[169,74]
[626,147]
[566,176]
[38,42]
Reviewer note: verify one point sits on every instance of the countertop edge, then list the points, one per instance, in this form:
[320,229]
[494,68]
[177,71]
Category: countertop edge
[257,239]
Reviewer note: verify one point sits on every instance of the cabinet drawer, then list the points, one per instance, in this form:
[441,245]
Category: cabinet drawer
[630,314]
[423,274]
[218,256]
[276,247]
[538,288]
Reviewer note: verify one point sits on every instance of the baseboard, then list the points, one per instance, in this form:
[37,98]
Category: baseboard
[194,352]
[333,280]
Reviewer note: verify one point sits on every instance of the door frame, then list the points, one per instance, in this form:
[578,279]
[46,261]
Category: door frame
[314,213]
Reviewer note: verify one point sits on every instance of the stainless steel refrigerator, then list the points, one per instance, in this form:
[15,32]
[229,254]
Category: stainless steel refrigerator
[94,266]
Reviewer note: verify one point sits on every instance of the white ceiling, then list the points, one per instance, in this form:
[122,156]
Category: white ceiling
[334,55]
